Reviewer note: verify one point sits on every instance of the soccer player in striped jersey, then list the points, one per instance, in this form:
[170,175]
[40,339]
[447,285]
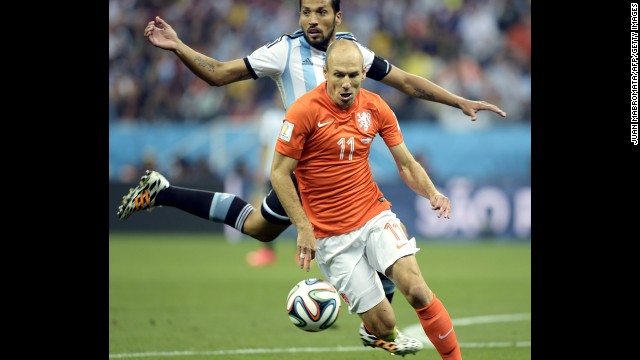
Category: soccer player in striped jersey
[344,220]
[295,63]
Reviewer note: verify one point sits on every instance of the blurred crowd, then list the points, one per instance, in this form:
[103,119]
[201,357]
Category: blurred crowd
[479,49]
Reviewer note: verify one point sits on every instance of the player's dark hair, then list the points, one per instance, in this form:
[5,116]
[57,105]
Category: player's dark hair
[335,4]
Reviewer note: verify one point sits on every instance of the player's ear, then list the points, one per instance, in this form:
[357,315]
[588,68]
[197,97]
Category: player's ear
[324,71]
[364,73]
[338,18]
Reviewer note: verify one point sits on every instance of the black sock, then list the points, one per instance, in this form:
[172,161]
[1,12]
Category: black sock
[196,202]
[213,206]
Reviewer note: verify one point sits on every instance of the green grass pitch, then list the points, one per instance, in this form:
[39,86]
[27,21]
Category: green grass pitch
[193,297]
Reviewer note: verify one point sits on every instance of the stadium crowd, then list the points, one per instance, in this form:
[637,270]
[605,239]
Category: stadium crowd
[479,49]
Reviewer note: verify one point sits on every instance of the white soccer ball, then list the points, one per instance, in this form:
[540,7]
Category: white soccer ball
[313,305]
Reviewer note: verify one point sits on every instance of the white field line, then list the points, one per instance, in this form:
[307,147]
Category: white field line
[413,331]
[416,331]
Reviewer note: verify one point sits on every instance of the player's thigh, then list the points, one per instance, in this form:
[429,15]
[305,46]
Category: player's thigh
[406,274]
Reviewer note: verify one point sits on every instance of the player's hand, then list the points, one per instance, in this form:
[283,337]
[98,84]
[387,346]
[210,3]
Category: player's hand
[161,34]
[441,204]
[470,108]
[306,250]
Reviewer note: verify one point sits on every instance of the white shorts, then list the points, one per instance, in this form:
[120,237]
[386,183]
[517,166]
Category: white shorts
[350,262]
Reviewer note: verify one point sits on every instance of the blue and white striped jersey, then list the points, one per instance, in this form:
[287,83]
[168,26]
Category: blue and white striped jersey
[296,66]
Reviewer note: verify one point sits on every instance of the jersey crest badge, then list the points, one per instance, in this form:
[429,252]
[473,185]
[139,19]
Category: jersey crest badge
[364,120]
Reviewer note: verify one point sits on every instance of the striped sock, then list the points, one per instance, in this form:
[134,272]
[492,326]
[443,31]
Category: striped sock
[229,209]
[214,206]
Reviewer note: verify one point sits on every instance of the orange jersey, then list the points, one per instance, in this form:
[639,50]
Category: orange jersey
[332,147]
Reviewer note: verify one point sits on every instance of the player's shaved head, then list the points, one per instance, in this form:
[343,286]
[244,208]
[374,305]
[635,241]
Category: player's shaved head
[345,50]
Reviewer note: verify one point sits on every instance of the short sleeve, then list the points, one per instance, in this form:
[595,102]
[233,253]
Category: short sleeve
[270,59]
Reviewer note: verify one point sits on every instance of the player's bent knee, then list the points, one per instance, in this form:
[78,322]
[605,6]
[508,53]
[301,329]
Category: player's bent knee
[271,221]
[260,229]
[272,211]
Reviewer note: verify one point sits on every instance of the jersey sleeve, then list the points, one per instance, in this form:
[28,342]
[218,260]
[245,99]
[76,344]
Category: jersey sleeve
[389,126]
[295,129]
[270,59]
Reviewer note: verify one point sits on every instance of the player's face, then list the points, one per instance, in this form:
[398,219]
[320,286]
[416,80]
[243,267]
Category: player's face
[318,22]
[344,74]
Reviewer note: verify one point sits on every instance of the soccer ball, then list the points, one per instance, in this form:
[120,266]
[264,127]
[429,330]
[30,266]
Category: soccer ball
[313,305]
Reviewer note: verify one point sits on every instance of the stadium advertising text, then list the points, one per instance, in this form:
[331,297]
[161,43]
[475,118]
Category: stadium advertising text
[634,74]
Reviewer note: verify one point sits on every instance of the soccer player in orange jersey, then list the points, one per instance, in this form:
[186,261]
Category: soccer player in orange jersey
[294,62]
[344,220]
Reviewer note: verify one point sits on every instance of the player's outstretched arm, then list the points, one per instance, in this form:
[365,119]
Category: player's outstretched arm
[216,73]
[417,86]
[416,177]
[281,169]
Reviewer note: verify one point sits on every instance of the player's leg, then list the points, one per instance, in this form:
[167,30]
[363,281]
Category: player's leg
[379,330]
[433,316]
[389,289]
[271,220]
[391,252]
[381,320]
[271,212]
[343,262]
[155,190]
[264,256]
